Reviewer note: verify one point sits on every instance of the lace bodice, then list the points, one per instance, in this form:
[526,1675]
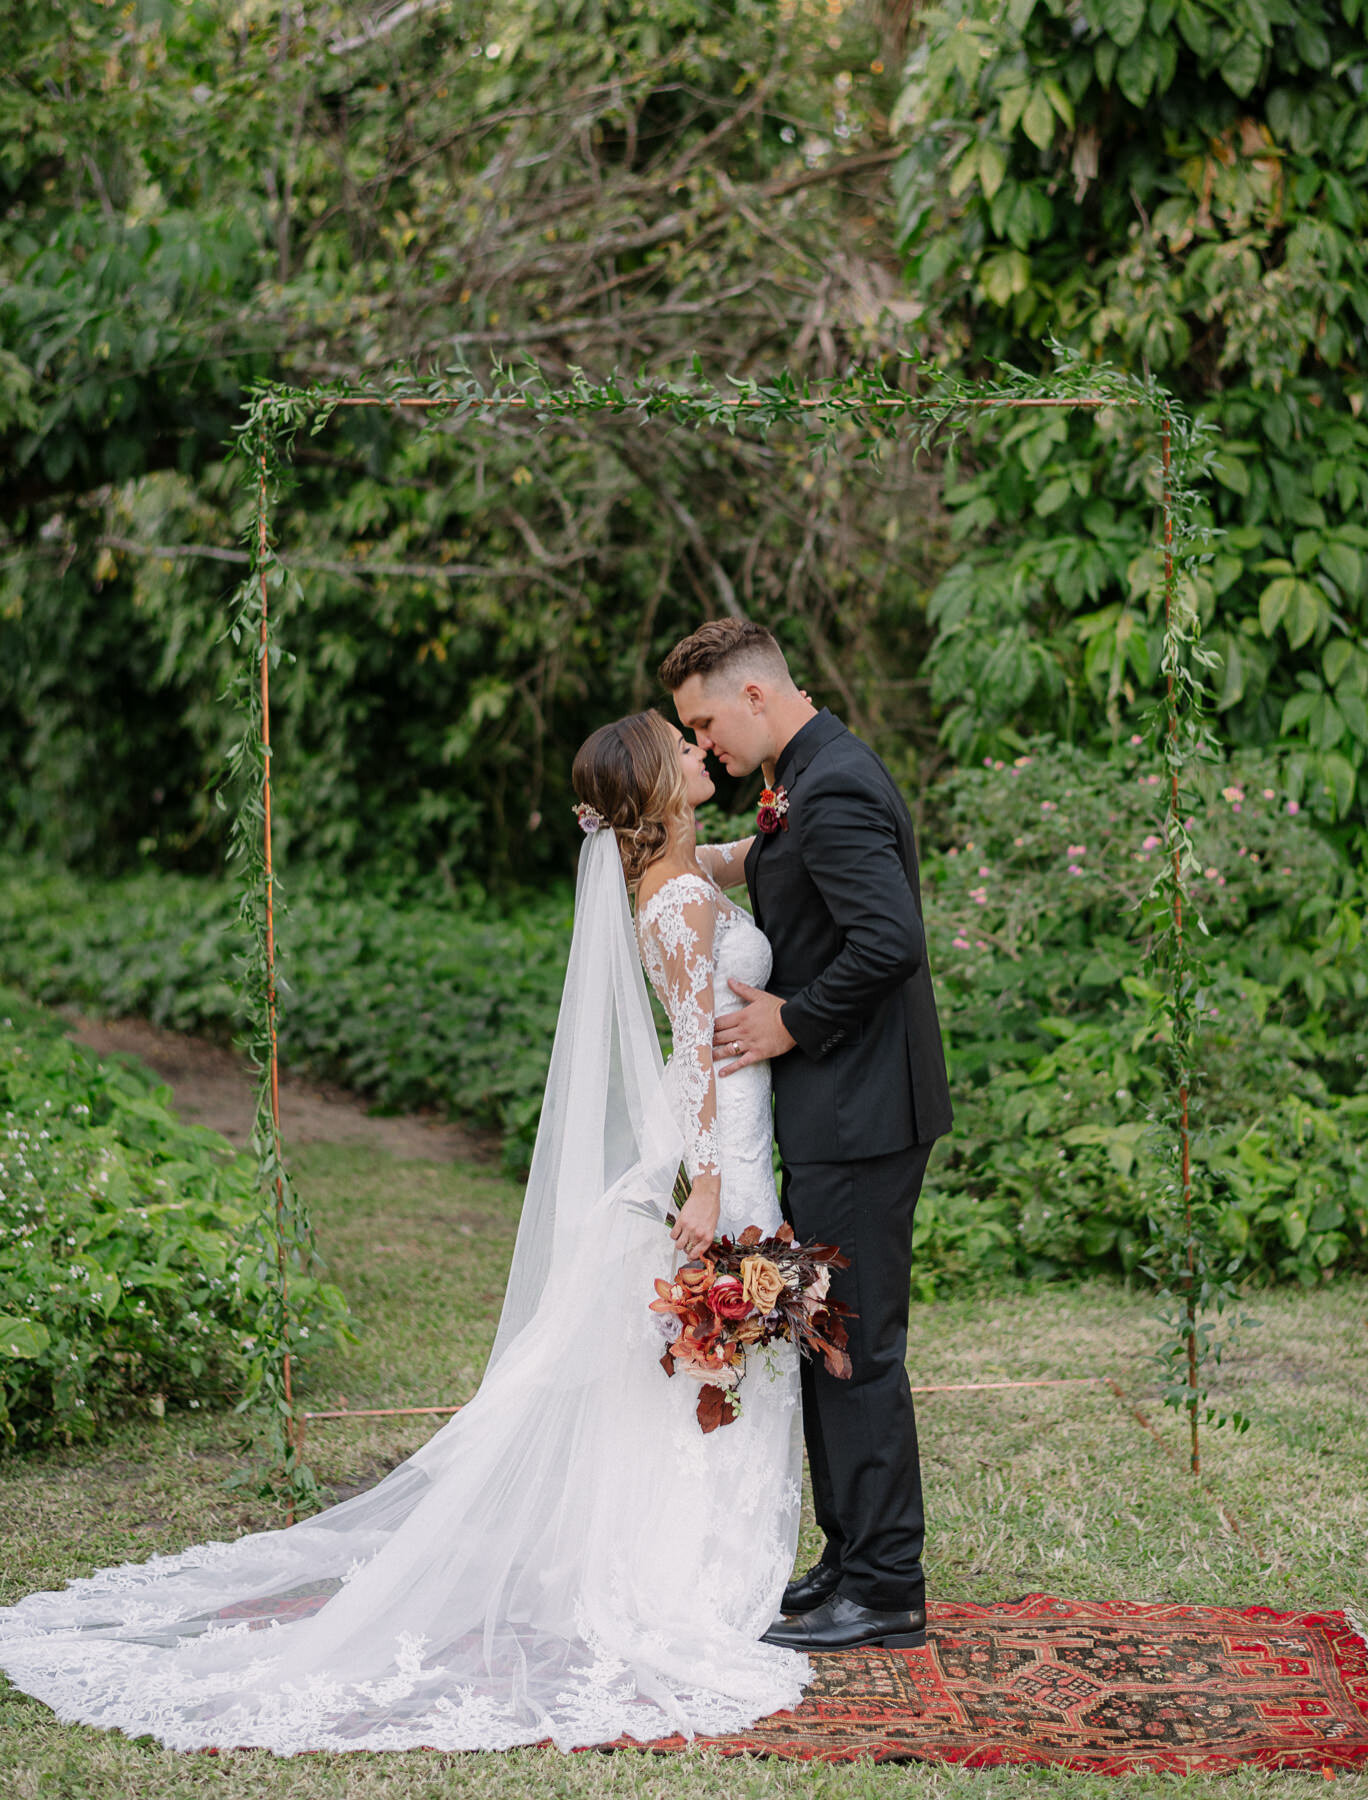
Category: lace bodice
[694,940]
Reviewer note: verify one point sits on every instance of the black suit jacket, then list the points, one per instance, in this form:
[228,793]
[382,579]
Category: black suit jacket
[838,896]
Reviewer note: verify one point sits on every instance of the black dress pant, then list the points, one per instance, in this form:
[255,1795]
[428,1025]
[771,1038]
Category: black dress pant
[861,1434]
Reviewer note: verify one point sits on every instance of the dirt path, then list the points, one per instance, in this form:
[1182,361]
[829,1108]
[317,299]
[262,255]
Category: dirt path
[212,1086]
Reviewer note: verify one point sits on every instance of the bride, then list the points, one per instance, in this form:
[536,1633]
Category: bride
[570,1557]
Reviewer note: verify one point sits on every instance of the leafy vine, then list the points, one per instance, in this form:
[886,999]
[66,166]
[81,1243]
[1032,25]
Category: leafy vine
[1192,1275]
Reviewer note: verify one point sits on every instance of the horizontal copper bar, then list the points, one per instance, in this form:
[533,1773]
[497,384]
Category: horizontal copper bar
[954,1387]
[898,400]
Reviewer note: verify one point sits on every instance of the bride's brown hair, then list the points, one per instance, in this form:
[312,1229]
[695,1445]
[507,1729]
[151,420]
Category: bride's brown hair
[630,772]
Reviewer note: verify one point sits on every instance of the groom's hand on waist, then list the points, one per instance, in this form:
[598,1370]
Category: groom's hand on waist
[755,1034]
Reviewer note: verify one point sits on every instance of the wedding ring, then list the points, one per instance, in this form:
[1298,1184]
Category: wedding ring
[736,1049]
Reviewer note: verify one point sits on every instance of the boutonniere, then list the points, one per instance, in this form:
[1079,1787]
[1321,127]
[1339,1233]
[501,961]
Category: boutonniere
[772,813]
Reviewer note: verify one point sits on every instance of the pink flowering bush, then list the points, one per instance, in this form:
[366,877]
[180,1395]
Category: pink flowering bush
[1034,873]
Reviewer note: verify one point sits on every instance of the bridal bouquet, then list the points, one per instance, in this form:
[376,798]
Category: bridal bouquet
[743,1296]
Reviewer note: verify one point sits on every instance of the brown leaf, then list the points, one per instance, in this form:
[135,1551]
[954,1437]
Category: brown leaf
[667,1363]
[712,1408]
[838,1364]
[751,1235]
[785,1233]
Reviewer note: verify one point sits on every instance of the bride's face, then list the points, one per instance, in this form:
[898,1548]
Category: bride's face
[698,784]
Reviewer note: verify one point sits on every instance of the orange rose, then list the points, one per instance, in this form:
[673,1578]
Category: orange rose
[695,1277]
[761,1282]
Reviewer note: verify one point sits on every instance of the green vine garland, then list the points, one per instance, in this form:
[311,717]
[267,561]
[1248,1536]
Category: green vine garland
[1185,1258]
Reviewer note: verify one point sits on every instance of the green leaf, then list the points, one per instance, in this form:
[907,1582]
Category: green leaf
[1053,495]
[992,166]
[1341,778]
[1343,565]
[1004,275]
[1061,102]
[1274,602]
[1231,473]
[1339,653]
[1240,66]
[964,171]
[1232,676]
[1304,612]
[1121,19]
[1194,24]
[1038,120]
[22,1337]
[1138,70]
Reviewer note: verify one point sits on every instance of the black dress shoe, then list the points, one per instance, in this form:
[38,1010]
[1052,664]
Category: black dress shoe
[807,1593]
[841,1624]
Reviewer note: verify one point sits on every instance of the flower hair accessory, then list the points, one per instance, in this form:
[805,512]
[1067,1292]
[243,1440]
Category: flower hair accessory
[590,819]
[771,814]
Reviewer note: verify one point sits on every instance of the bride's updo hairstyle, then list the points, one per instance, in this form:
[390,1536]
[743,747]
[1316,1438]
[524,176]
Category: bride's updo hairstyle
[630,772]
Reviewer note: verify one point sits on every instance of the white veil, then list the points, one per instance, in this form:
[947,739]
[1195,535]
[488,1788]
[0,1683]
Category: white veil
[606,1130]
[515,1579]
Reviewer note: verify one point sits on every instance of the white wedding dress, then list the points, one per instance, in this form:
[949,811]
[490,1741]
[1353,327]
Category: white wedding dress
[570,1557]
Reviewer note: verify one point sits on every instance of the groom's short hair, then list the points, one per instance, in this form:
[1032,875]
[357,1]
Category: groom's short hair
[736,646]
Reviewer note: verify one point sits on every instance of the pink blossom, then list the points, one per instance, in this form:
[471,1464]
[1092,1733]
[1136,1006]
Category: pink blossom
[1074,869]
[1232,793]
[979,896]
[987,762]
[984,869]
[997,765]
[1048,806]
[1243,850]
[1136,739]
[1292,807]
[960,943]
[1018,842]
[1220,881]
[952,851]
[1151,842]
[1021,762]
[1285,871]
[980,944]
[1268,793]
[1078,850]
[1211,874]
[1237,807]
[1152,780]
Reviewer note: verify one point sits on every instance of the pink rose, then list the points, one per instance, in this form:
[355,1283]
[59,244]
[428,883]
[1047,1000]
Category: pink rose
[727,1298]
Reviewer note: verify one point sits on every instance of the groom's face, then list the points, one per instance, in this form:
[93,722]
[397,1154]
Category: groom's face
[727,719]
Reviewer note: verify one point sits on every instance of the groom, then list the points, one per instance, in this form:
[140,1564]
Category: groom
[860,1094]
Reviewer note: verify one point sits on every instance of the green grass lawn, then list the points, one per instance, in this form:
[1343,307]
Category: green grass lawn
[1057,1489]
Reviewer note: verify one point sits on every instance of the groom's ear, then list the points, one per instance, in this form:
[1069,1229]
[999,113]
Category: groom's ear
[754,696]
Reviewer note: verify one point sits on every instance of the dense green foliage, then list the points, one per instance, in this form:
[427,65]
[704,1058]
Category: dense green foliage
[198,195]
[415,1004]
[1178,185]
[1037,915]
[1034,892]
[129,1274]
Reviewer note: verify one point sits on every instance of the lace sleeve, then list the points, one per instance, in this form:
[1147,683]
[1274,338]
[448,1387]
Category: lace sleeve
[676,931]
[726,862]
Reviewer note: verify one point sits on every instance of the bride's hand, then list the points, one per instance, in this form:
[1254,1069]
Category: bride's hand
[696,1226]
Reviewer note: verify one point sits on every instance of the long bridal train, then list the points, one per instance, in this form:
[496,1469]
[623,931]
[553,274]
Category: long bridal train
[569,1558]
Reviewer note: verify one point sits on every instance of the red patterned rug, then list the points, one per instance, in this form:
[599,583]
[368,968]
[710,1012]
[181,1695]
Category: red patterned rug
[1107,1688]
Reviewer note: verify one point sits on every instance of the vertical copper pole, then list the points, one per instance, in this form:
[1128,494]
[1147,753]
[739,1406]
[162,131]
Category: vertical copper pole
[282,1269]
[1184,1135]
